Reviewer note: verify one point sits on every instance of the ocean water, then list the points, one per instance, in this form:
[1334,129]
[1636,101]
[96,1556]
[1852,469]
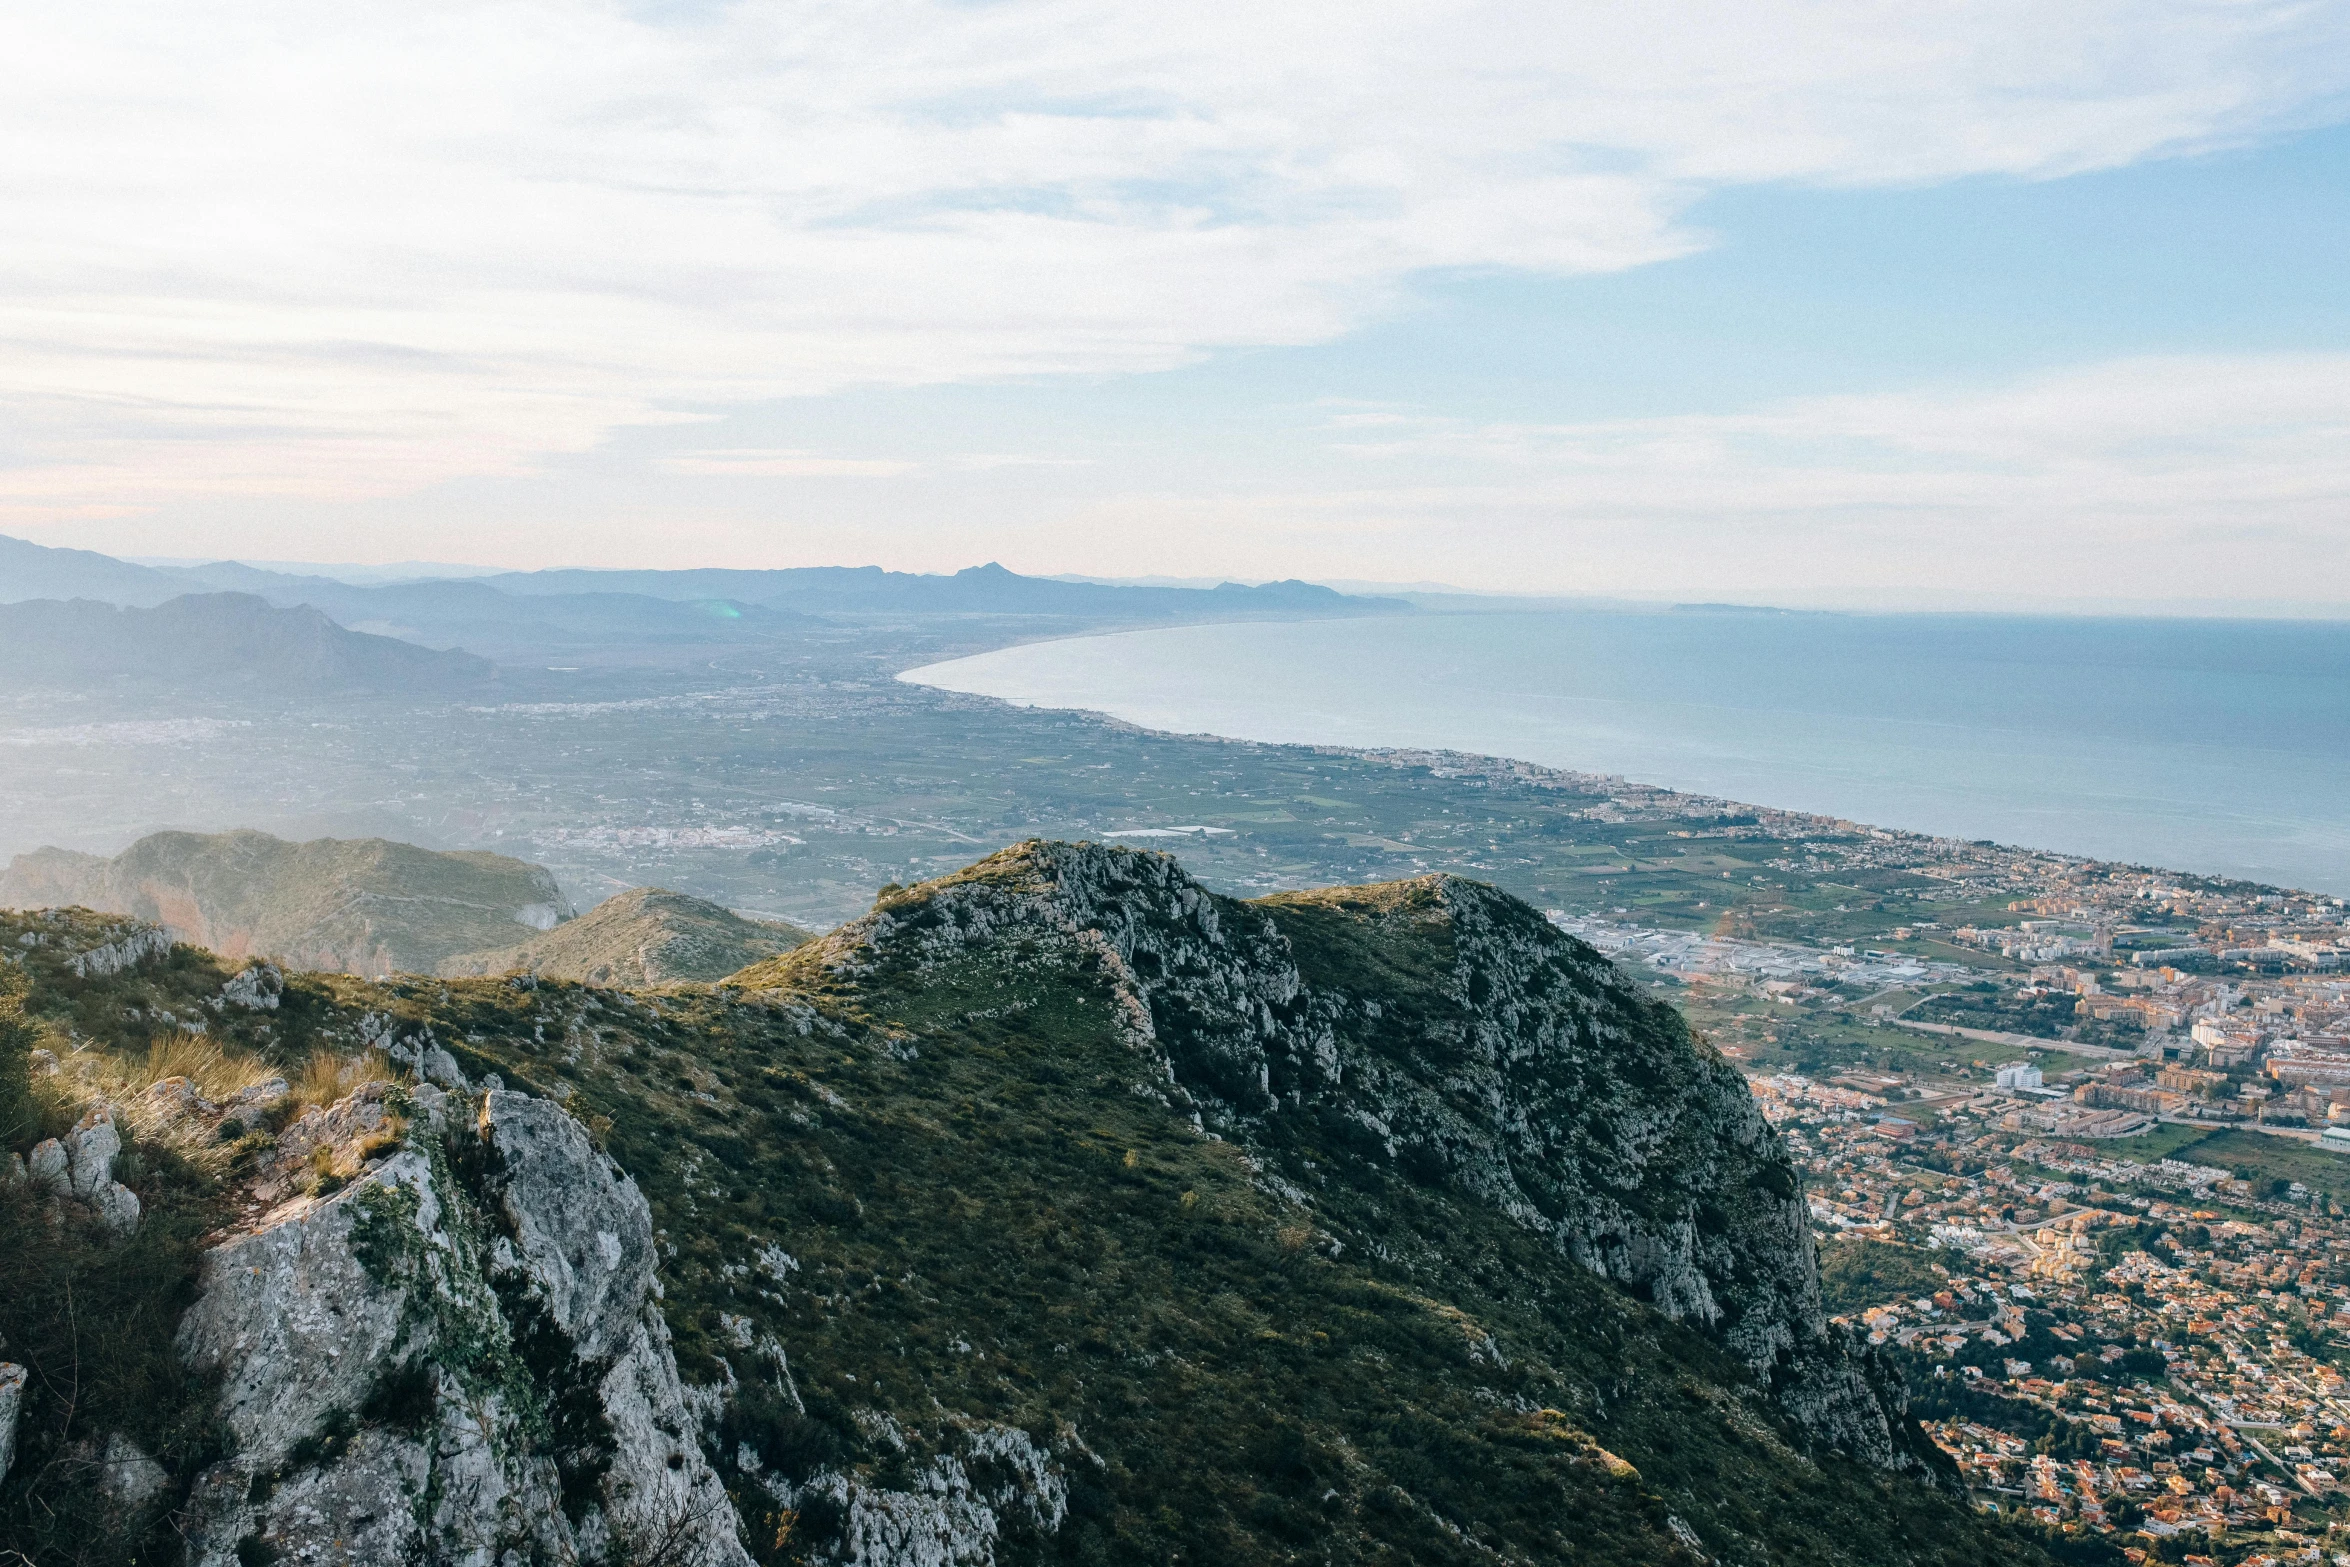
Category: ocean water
[2203,745]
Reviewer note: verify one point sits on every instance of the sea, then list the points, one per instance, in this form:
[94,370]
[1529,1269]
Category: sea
[2214,746]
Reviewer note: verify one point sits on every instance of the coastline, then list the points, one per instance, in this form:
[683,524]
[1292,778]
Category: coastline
[2244,806]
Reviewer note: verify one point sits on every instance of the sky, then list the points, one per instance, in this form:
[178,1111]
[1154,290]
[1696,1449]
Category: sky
[1963,304]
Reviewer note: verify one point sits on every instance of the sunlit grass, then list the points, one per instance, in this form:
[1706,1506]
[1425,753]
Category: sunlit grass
[328,1076]
[216,1073]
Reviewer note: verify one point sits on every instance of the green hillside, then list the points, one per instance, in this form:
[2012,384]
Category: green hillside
[1062,1211]
[218,644]
[360,905]
[643,937]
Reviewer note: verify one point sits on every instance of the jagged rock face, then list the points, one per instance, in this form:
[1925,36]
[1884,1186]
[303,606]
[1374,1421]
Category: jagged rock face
[129,1478]
[454,1357]
[952,1512]
[256,988]
[1526,1069]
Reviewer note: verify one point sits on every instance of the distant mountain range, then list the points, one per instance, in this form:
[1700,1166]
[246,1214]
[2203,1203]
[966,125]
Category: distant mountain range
[646,936]
[218,642]
[37,571]
[522,614]
[474,614]
[975,590]
[364,906]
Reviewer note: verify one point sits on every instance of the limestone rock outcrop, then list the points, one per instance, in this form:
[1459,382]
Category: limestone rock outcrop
[454,1357]
[127,1476]
[80,1166]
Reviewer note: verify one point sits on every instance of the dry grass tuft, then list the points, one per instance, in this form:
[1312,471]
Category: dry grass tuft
[218,1075]
[212,1071]
[327,1077]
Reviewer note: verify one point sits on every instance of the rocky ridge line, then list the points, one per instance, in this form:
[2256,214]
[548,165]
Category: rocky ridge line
[1638,1151]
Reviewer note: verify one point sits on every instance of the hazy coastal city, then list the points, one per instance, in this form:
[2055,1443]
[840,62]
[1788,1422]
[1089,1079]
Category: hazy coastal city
[2090,1185]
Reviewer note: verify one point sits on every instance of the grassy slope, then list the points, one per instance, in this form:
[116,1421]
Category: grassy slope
[988,1223]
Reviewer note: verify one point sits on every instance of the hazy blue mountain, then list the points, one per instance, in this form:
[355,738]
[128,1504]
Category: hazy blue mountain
[477,615]
[520,616]
[976,590]
[349,571]
[37,571]
[234,576]
[440,613]
[217,642]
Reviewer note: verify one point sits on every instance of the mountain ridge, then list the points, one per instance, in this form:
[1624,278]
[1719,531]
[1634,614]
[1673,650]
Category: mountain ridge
[988,588]
[505,612]
[221,643]
[1057,1210]
[1236,1030]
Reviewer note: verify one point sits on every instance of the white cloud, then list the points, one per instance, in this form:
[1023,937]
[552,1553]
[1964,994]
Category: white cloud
[983,462]
[2205,479]
[330,251]
[744,464]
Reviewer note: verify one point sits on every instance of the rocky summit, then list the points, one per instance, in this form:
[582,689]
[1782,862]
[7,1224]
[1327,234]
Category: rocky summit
[1057,1210]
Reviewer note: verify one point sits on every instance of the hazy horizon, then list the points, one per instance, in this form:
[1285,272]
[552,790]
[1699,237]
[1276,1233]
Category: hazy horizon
[1918,602]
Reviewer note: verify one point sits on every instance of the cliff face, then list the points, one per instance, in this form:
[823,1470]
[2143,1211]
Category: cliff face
[1447,1031]
[454,1357]
[419,1320]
